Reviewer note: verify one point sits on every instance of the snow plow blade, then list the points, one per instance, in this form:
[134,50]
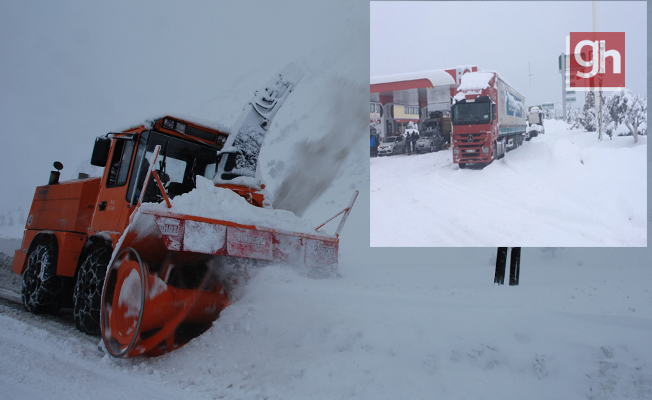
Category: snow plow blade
[171,274]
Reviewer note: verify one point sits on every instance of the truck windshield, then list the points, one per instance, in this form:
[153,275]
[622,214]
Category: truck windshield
[471,113]
[178,165]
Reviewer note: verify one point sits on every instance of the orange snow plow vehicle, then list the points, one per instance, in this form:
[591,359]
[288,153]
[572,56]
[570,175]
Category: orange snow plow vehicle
[151,266]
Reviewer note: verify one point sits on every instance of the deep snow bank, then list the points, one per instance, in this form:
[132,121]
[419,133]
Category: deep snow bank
[563,188]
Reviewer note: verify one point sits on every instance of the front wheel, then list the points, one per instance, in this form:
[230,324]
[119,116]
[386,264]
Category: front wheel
[88,291]
[43,292]
[462,166]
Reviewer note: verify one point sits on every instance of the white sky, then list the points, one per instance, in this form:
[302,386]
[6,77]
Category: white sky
[71,70]
[501,36]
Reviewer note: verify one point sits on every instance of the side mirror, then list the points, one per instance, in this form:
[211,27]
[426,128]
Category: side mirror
[101,151]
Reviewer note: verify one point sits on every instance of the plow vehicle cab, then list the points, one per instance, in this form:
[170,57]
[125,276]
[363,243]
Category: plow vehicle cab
[74,226]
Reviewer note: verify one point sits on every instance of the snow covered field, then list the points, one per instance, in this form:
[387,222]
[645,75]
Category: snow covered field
[578,326]
[563,188]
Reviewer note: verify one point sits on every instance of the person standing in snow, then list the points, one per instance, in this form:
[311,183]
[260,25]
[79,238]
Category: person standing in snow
[408,143]
[373,143]
[415,137]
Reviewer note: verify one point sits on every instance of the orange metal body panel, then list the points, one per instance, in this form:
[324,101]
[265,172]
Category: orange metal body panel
[70,246]
[18,265]
[67,206]
[20,255]
[115,215]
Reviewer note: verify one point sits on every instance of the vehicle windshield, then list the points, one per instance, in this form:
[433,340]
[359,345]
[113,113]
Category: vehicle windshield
[534,118]
[471,113]
[390,139]
[178,165]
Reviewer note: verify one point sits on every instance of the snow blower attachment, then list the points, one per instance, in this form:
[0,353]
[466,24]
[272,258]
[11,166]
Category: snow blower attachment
[175,268]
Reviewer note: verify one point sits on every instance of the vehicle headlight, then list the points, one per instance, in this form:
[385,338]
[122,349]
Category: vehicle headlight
[485,150]
[456,151]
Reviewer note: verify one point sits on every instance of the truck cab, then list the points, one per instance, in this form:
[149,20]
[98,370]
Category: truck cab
[535,122]
[488,119]
[475,136]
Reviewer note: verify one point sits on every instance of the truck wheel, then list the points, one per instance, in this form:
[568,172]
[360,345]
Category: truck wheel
[432,148]
[88,290]
[43,291]
[462,166]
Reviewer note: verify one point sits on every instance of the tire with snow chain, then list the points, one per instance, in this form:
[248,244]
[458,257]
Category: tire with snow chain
[88,290]
[44,292]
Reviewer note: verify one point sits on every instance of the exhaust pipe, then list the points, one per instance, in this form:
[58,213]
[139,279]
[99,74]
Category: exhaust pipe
[54,175]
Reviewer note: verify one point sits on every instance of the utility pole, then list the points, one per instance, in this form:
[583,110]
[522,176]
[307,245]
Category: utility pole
[596,58]
[562,71]
[530,75]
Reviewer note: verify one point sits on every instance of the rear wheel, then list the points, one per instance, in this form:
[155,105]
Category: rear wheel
[88,290]
[43,291]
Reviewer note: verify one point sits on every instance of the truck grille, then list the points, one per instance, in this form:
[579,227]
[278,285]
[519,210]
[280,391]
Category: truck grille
[476,138]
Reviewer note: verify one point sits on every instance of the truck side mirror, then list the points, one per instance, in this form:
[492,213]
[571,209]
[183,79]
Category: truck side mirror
[101,151]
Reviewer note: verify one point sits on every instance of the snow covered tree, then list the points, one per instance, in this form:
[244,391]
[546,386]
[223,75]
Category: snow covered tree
[572,118]
[636,116]
[630,109]
[586,118]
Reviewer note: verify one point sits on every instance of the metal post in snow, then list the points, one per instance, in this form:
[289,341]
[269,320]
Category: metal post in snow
[501,262]
[563,82]
[514,266]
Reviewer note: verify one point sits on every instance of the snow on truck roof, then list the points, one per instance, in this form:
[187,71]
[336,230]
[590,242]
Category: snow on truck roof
[412,80]
[475,80]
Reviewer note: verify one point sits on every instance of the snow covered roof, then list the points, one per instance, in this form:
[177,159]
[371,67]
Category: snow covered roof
[412,80]
[475,81]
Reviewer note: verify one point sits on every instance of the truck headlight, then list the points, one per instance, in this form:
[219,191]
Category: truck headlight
[485,150]
[456,151]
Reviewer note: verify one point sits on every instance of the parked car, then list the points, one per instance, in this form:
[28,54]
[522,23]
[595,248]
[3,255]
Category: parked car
[430,140]
[392,145]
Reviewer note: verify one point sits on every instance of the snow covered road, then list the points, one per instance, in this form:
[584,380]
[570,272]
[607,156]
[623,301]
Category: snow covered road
[578,326]
[563,188]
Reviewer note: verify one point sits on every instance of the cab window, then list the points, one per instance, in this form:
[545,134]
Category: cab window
[120,163]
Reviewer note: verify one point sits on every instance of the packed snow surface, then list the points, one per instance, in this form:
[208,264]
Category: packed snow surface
[563,188]
[577,327]
[209,201]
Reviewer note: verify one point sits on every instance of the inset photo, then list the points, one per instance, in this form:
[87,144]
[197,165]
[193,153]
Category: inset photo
[508,124]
